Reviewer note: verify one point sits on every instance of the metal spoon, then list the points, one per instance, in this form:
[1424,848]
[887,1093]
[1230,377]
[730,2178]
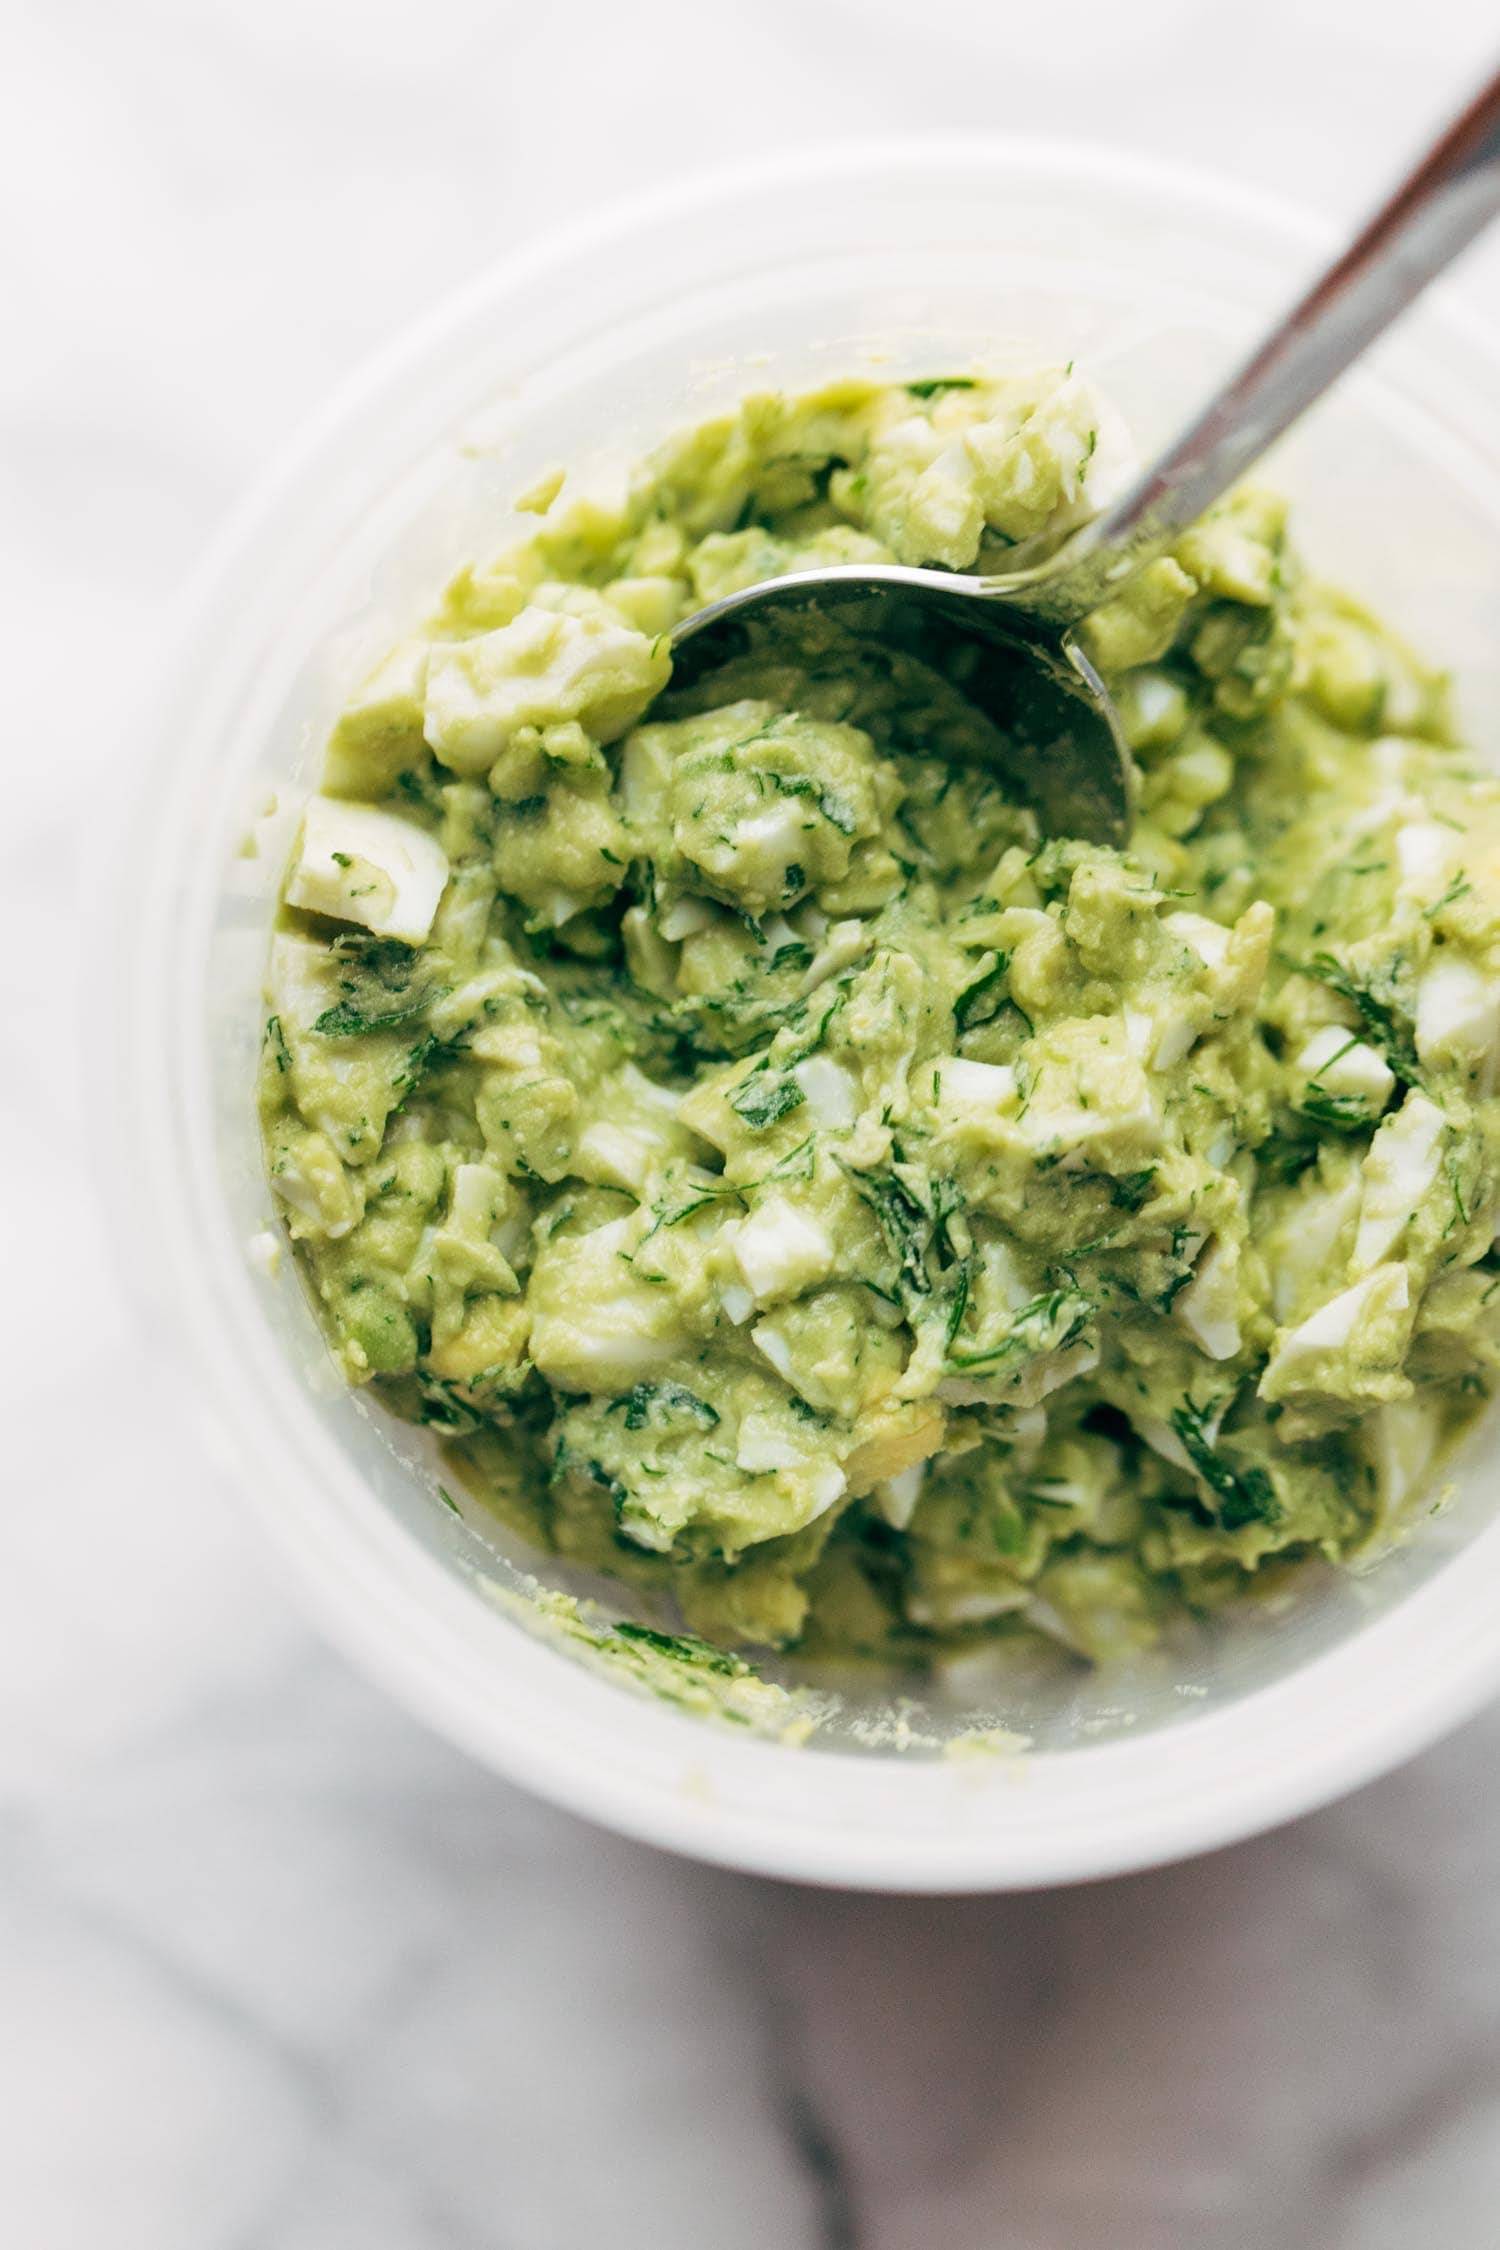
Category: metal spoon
[1054,726]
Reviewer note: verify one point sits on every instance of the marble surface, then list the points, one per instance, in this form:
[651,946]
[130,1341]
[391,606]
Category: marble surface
[278,1970]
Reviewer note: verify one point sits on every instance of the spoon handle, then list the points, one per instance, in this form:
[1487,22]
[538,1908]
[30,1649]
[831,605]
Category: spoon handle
[1449,197]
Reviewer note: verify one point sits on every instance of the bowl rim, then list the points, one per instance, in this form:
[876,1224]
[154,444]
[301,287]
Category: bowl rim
[358,1592]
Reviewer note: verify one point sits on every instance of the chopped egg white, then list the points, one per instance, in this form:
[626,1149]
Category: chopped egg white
[1458,1013]
[1209,1306]
[829,1091]
[897,1498]
[1208,939]
[1423,851]
[781,1250]
[1332,1326]
[763,1445]
[685,917]
[1399,1168]
[616,1155]
[357,864]
[1344,1065]
[969,1086]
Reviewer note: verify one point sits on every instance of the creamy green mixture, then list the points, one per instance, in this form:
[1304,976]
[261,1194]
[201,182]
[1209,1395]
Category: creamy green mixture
[791,1183]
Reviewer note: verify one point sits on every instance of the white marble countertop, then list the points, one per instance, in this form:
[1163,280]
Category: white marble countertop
[278,1970]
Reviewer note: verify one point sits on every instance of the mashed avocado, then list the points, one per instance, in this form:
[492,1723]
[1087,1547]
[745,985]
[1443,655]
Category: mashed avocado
[790,1182]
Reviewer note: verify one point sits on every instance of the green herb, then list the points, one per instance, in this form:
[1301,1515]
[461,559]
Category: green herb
[1244,1495]
[649,1403]
[1049,1323]
[762,1099]
[682,1648]
[958,1304]
[347,1020]
[1131,1189]
[276,1041]
[933,386]
[1459,886]
[903,1220]
[377,987]
[607,1482]
[410,785]
[1384,1019]
[342,859]
[1285,1156]
[686,1210]
[1460,1210]
[982,999]
[1344,1113]
[426,1055]
[441,1408]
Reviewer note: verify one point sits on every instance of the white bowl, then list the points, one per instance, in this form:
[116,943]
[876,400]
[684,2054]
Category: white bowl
[584,350]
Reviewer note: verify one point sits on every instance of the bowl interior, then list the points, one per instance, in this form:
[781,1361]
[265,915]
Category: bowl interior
[583,355]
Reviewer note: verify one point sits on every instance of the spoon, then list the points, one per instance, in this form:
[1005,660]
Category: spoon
[1052,723]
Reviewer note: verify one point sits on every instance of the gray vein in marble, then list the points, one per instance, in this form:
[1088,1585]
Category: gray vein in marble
[808,2128]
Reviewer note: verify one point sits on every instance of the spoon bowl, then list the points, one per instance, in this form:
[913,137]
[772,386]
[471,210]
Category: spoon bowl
[1043,716]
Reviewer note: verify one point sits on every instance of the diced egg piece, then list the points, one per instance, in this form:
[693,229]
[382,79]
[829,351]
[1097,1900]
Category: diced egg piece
[737,1302]
[1344,1065]
[763,1445]
[968,1087]
[685,917]
[264,1252]
[1400,1440]
[312,1182]
[1160,1045]
[1423,850]
[1332,1326]
[767,843]
[511,1046]
[1458,1012]
[1140,1032]
[1059,1119]
[357,864]
[1209,1306]
[828,1090]
[781,1250]
[624,1148]
[773,1346]
[1399,1168]
[1177,1037]
[827,1484]
[615,1156]
[975,1606]
[1309,1239]
[897,1498]
[546,665]
[593,1328]
[1163,1440]
[1208,939]
[842,944]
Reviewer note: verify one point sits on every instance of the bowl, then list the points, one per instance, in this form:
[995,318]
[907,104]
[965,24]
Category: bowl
[584,350]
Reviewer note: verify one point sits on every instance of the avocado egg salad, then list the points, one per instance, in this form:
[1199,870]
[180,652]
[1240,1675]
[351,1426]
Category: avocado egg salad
[789,1182]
